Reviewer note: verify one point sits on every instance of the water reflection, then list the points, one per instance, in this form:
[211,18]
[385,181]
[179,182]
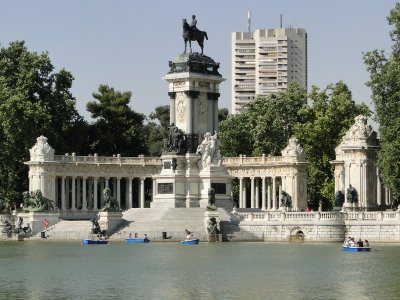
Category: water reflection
[39,270]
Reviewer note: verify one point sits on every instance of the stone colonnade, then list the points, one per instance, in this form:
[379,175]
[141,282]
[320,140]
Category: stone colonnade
[86,193]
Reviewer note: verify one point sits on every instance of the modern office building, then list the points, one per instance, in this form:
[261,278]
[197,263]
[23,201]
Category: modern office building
[266,61]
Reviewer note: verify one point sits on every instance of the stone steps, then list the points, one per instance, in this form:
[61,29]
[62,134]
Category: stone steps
[155,221]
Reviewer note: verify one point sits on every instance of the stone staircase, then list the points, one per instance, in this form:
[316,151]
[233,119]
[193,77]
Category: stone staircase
[69,230]
[155,221]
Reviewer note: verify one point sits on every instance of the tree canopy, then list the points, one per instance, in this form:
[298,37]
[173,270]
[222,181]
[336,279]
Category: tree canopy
[34,101]
[385,86]
[117,129]
[323,124]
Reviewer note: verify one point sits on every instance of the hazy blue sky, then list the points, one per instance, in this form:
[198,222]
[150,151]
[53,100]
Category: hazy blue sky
[127,44]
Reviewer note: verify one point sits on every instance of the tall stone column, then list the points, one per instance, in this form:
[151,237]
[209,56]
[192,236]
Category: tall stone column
[263,200]
[119,191]
[73,192]
[142,192]
[269,197]
[257,196]
[279,196]
[130,198]
[244,193]
[274,200]
[172,116]
[241,192]
[252,204]
[95,189]
[63,202]
[78,192]
[84,194]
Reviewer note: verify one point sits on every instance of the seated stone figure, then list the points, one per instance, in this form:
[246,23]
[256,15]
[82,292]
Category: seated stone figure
[110,204]
[286,199]
[34,201]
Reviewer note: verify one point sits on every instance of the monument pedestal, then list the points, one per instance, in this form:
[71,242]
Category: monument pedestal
[110,220]
[214,235]
[35,220]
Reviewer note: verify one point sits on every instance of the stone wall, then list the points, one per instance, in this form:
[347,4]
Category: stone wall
[319,226]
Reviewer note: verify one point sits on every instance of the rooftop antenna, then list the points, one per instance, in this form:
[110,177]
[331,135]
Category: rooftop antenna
[281,21]
[249,20]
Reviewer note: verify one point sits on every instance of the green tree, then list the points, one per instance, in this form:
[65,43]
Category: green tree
[34,101]
[265,125]
[117,128]
[157,130]
[385,86]
[324,122]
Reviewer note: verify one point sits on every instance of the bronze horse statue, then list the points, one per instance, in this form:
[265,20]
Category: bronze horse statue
[193,34]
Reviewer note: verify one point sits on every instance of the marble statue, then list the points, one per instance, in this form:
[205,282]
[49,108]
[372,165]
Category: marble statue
[209,150]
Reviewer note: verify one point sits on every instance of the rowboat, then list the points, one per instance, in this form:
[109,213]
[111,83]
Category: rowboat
[94,242]
[356,249]
[190,242]
[137,240]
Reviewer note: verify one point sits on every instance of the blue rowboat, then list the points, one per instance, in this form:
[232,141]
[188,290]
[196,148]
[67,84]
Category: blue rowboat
[137,240]
[190,242]
[356,249]
[94,242]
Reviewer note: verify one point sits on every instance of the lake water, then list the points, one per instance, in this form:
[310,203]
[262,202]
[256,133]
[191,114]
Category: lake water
[69,270]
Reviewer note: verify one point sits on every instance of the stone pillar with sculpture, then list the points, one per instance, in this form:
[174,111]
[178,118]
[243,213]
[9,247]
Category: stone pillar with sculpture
[212,219]
[355,170]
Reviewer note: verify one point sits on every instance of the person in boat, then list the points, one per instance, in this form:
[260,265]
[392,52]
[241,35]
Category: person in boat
[145,237]
[130,235]
[360,243]
[366,243]
[136,235]
[346,242]
[189,235]
[352,243]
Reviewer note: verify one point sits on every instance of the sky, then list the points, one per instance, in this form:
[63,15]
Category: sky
[127,44]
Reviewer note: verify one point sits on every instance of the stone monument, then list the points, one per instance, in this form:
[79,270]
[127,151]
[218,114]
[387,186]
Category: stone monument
[355,166]
[190,158]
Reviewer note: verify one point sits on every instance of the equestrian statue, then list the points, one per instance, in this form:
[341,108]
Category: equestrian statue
[191,33]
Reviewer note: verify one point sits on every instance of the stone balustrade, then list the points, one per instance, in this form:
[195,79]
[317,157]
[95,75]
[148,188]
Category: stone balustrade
[266,216]
[94,159]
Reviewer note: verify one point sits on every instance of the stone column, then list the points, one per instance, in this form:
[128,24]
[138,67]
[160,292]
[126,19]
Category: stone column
[244,193]
[130,197]
[90,193]
[378,189]
[257,190]
[274,206]
[263,204]
[119,191]
[73,192]
[142,192]
[63,202]
[114,190]
[172,108]
[54,190]
[279,196]
[84,199]
[95,205]
[269,197]
[241,192]
[67,192]
[78,192]
[252,205]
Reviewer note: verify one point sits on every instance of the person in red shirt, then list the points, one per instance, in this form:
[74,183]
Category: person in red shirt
[45,224]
